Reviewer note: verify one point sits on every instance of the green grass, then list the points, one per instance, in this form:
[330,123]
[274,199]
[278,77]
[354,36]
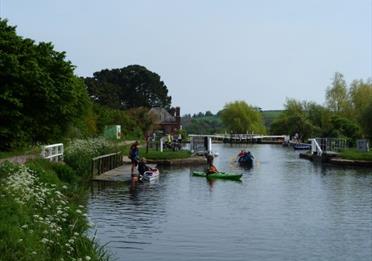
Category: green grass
[153,154]
[165,155]
[356,155]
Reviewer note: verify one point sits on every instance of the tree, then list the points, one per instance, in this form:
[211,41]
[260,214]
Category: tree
[208,113]
[129,87]
[336,95]
[239,117]
[343,127]
[366,119]
[40,97]
[294,119]
[360,94]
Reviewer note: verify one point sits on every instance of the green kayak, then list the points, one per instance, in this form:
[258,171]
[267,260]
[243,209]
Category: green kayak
[218,175]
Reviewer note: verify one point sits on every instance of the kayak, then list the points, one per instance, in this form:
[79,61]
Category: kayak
[218,175]
[150,175]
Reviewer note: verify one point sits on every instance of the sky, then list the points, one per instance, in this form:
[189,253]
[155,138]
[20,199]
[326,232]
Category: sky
[210,52]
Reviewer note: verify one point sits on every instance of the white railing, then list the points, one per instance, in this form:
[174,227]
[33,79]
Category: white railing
[327,145]
[53,152]
[315,147]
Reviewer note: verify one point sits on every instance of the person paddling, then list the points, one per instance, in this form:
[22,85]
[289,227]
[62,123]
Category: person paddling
[211,168]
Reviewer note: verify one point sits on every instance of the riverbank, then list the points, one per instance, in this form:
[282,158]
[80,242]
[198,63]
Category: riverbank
[43,214]
[336,159]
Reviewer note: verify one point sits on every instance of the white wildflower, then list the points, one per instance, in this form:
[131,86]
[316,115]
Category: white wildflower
[87,258]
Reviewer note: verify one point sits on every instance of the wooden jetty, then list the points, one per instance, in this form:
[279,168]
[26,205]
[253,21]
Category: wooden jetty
[119,174]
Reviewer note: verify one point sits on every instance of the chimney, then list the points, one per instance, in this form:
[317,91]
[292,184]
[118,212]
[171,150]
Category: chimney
[172,111]
[178,117]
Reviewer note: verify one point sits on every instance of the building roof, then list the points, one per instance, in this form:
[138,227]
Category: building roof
[161,116]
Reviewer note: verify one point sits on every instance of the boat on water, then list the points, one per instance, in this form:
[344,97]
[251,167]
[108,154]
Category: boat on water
[218,175]
[150,175]
[245,158]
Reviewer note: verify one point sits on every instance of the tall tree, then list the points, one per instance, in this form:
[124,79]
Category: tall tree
[336,95]
[239,117]
[360,94]
[366,119]
[129,87]
[294,119]
[40,97]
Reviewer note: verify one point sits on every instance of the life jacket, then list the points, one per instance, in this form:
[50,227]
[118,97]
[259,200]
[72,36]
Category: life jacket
[212,169]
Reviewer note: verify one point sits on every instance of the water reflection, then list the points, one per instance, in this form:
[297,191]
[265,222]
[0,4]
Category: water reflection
[283,209]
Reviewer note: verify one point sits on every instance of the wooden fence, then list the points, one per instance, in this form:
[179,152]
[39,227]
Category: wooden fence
[106,162]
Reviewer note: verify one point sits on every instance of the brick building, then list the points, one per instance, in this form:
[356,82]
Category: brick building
[166,121]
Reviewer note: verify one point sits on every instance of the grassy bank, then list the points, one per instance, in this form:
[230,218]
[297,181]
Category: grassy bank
[157,155]
[42,214]
[165,155]
[356,155]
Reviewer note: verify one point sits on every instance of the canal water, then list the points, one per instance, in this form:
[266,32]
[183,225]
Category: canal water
[284,208]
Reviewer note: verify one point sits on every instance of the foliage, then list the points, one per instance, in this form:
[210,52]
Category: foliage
[366,120]
[39,219]
[344,127]
[270,116]
[134,122]
[336,95]
[129,87]
[39,96]
[347,115]
[202,124]
[239,117]
[79,153]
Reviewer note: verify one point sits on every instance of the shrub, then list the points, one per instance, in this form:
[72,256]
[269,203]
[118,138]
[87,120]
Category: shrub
[79,153]
[37,220]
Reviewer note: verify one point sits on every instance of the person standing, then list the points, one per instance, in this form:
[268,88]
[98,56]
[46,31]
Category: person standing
[134,156]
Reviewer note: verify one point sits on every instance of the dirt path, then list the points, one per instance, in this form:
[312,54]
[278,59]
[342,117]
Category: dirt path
[21,159]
